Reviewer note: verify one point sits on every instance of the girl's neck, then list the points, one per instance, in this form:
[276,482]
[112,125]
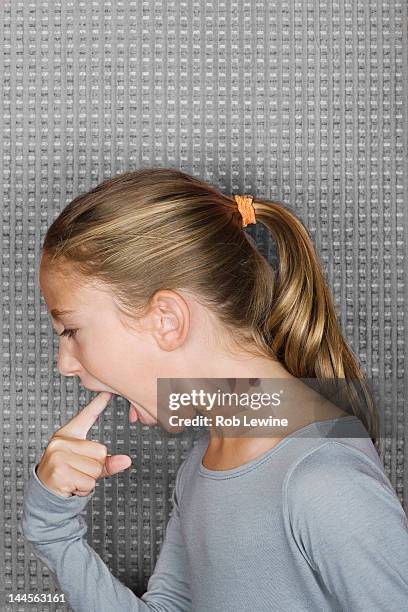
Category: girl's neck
[228,451]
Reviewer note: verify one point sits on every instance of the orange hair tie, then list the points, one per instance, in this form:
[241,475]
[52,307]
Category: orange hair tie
[246,209]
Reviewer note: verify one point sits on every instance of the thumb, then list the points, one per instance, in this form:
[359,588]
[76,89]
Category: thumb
[114,464]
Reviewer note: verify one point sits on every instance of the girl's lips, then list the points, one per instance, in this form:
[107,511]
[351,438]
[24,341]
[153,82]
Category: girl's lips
[134,415]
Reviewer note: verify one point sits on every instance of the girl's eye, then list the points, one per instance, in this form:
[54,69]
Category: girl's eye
[68,332]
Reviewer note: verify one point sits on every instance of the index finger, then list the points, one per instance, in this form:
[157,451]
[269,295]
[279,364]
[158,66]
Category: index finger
[82,422]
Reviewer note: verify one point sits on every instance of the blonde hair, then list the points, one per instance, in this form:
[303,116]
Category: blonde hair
[160,228]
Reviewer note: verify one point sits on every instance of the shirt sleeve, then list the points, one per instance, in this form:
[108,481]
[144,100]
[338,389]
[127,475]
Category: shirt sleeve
[350,526]
[55,529]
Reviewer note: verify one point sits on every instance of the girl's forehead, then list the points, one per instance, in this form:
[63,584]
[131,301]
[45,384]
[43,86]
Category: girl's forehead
[62,293]
[61,277]
[55,284]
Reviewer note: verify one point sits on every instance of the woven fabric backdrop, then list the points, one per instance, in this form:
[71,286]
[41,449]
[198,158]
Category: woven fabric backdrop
[300,101]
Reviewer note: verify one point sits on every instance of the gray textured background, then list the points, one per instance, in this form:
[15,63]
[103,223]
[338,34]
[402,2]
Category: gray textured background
[303,101]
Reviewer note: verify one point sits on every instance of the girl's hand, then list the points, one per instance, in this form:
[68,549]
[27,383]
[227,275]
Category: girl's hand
[71,464]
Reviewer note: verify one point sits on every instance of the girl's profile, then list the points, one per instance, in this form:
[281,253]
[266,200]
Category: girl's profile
[151,275]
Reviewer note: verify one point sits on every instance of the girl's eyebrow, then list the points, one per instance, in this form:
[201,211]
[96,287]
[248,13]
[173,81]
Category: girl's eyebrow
[58,313]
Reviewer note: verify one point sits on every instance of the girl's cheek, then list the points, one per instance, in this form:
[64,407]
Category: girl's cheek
[98,359]
[89,357]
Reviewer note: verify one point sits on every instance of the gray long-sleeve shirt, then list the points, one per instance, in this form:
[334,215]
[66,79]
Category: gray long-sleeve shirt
[312,524]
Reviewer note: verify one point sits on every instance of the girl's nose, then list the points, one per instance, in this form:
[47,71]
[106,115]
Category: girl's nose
[67,364]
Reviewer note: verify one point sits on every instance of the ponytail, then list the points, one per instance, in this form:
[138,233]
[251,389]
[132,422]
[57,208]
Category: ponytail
[301,327]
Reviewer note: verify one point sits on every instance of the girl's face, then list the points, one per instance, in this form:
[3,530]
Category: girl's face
[178,338]
[104,348]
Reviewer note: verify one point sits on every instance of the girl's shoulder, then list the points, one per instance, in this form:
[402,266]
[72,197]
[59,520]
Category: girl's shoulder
[336,477]
[342,514]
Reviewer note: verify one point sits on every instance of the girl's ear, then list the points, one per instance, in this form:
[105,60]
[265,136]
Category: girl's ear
[170,316]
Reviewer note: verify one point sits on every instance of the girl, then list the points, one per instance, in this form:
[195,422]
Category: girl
[150,275]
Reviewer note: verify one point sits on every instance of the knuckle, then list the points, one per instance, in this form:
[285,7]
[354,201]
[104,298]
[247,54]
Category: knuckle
[101,470]
[91,483]
[54,444]
[57,459]
[103,450]
[58,474]
[94,469]
[60,432]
